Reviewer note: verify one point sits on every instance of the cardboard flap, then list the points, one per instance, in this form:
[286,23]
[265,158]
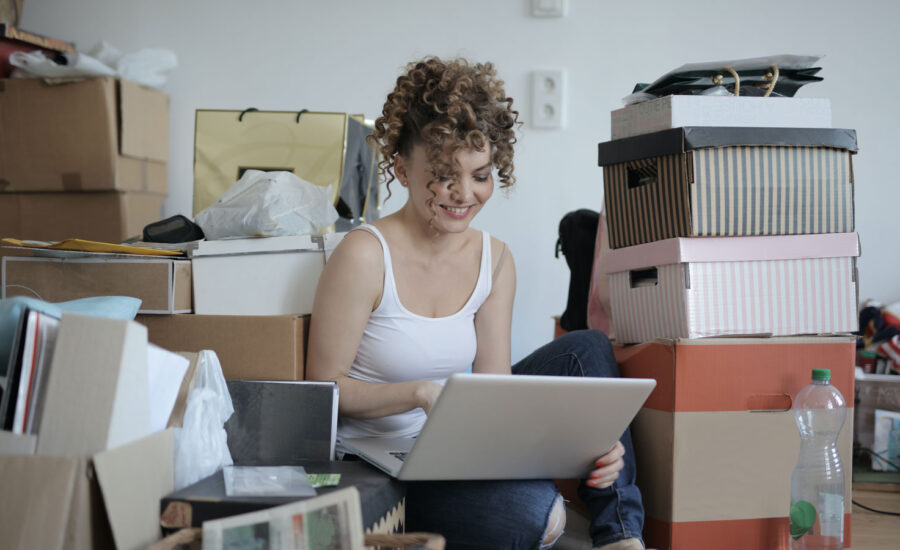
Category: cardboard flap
[97,395]
[732,249]
[144,122]
[680,140]
[38,498]
[133,478]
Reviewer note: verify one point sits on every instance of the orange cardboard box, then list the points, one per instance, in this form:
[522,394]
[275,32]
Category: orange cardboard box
[716,441]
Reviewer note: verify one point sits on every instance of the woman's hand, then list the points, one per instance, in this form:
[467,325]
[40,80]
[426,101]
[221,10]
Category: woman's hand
[427,393]
[608,467]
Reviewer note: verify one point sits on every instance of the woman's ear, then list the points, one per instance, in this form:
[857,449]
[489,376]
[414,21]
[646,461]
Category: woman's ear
[401,170]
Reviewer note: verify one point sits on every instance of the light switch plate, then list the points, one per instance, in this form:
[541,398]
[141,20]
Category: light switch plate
[548,8]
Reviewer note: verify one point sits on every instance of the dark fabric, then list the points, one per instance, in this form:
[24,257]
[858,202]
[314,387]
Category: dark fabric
[577,234]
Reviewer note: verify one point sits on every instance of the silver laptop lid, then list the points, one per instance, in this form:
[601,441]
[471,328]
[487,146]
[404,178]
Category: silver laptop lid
[523,427]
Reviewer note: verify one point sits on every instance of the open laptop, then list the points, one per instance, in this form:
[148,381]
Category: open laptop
[486,426]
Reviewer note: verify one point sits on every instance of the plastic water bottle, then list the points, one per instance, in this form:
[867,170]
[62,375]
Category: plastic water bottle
[817,484]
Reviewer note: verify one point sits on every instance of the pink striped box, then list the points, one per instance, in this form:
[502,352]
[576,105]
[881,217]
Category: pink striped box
[725,286]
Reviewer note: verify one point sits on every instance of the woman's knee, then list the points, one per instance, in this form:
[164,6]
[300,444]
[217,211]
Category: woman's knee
[556,523]
[593,352]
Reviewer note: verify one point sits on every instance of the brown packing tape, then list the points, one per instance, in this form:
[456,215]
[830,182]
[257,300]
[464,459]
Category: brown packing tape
[72,182]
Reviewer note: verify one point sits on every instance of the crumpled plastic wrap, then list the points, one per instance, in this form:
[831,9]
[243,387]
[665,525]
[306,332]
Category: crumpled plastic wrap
[201,444]
[148,67]
[268,204]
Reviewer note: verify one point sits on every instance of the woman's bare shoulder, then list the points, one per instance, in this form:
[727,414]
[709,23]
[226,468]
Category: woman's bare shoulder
[359,248]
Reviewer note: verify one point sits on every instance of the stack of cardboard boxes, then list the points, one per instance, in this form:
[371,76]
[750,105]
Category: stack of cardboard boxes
[745,234]
[83,159]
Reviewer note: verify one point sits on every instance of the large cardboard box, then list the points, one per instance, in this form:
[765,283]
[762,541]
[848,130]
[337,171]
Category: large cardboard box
[98,472]
[108,217]
[248,347]
[674,111]
[107,500]
[716,442]
[873,392]
[259,276]
[720,286]
[718,181]
[97,134]
[162,284]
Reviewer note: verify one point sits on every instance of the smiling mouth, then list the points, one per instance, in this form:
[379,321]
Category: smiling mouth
[456,211]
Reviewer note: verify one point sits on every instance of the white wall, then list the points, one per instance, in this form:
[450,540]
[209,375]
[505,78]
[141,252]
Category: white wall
[345,54]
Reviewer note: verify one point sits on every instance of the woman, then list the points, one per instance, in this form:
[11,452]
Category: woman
[419,295]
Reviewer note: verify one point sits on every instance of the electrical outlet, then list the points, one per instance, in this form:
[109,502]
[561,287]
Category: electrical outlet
[548,98]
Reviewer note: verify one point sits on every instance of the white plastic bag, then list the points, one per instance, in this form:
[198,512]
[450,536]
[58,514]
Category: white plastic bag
[201,444]
[268,204]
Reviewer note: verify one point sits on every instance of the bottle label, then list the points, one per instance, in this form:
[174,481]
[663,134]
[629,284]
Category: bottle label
[831,515]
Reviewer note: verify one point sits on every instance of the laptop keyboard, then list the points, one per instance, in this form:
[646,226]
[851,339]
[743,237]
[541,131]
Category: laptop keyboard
[401,456]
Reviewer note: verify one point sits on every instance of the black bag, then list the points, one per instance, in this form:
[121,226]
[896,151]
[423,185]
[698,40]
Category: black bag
[577,233]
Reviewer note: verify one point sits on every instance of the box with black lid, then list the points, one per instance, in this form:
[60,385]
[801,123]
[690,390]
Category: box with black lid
[724,181]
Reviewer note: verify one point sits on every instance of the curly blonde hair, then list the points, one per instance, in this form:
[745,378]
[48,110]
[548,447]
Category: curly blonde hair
[447,106]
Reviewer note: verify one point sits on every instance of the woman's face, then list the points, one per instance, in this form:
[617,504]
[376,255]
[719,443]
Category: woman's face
[449,204]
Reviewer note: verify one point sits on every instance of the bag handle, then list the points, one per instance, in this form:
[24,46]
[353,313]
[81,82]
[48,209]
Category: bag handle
[771,76]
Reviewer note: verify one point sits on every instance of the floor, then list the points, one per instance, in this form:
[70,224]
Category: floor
[870,531]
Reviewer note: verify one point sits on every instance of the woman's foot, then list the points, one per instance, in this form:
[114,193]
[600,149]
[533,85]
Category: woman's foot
[624,544]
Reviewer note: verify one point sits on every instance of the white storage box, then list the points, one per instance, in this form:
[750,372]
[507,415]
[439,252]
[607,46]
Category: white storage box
[719,286]
[675,111]
[259,276]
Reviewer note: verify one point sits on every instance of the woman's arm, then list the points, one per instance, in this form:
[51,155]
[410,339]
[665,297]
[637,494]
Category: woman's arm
[494,319]
[349,289]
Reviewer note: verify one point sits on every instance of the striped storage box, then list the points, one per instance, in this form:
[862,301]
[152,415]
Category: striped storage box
[700,287]
[716,181]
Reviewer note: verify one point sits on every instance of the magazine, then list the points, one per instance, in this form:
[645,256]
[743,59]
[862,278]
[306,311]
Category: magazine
[332,521]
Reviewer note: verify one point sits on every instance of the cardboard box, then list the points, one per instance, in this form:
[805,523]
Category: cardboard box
[97,134]
[873,391]
[382,498]
[675,111]
[700,287]
[717,181]
[261,276]
[10,11]
[108,500]
[248,347]
[162,284]
[106,217]
[716,442]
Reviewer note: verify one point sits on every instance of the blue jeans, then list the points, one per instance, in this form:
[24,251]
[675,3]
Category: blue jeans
[513,514]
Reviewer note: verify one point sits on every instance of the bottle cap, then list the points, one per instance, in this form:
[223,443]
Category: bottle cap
[821,374]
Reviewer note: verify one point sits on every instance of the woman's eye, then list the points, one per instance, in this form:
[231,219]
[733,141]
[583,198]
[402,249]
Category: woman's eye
[482,179]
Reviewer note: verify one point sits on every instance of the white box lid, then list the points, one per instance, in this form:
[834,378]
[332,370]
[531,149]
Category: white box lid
[257,245]
[732,249]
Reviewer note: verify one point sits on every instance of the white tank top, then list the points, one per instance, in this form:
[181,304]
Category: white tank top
[400,346]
